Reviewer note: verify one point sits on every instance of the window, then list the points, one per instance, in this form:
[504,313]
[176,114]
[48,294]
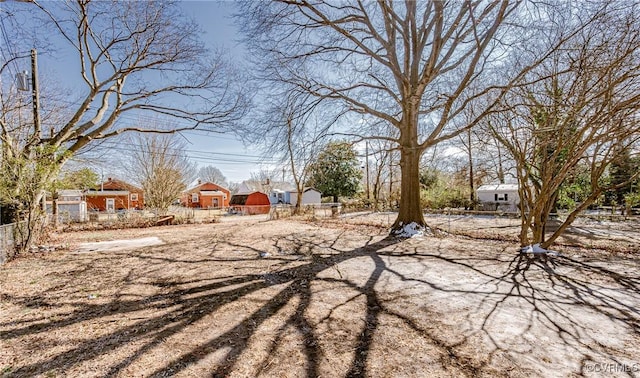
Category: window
[134,196]
[195,198]
[496,197]
[506,196]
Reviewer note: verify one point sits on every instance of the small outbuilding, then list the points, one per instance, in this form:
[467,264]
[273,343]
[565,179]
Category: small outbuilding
[502,197]
[71,206]
[250,203]
[310,196]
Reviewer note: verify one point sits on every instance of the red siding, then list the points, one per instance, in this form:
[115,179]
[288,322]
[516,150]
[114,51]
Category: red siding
[250,204]
[257,198]
[122,201]
[206,201]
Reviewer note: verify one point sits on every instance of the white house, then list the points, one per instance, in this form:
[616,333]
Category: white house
[289,195]
[499,196]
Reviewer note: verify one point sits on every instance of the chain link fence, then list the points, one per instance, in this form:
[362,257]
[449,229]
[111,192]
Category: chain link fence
[10,239]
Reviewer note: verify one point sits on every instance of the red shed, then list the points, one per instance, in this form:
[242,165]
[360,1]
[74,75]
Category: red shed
[250,203]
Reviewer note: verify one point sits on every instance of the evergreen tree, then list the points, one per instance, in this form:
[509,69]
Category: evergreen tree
[336,171]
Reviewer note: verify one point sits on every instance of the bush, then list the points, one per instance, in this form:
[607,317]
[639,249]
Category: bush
[444,195]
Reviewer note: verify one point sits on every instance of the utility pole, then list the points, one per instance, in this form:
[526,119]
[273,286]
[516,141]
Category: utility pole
[23,85]
[36,94]
[37,132]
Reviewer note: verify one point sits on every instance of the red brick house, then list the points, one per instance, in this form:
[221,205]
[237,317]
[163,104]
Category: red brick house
[114,195]
[206,196]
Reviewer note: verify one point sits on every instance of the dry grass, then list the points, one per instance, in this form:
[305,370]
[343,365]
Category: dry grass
[291,298]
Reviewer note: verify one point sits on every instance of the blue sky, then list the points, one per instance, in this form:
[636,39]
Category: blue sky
[225,152]
[220,31]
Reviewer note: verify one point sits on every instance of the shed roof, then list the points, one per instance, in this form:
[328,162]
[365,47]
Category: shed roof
[255,198]
[498,188]
[238,199]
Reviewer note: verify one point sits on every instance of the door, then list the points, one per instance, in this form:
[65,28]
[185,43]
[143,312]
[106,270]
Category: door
[111,205]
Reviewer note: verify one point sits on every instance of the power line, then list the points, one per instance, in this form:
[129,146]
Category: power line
[129,144]
[195,158]
[9,48]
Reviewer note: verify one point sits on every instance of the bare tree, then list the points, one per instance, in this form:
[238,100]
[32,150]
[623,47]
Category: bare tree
[159,164]
[263,180]
[492,155]
[233,187]
[302,144]
[293,129]
[134,58]
[212,174]
[413,65]
[381,172]
[579,108]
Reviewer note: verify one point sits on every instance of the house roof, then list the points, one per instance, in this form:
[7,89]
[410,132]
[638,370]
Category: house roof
[249,186]
[202,184]
[107,193]
[294,190]
[498,188]
[283,186]
[118,185]
[69,192]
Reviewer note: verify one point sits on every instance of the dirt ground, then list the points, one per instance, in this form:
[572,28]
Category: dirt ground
[247,297]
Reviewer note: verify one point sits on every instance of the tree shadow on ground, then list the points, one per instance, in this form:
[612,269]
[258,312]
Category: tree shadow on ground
[580,303]
[179,307]
[298,264]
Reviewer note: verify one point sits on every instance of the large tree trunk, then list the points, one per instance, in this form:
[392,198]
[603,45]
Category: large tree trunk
[410,209]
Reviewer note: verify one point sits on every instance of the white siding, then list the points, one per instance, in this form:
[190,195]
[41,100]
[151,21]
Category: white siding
[309,197]
[505,195]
